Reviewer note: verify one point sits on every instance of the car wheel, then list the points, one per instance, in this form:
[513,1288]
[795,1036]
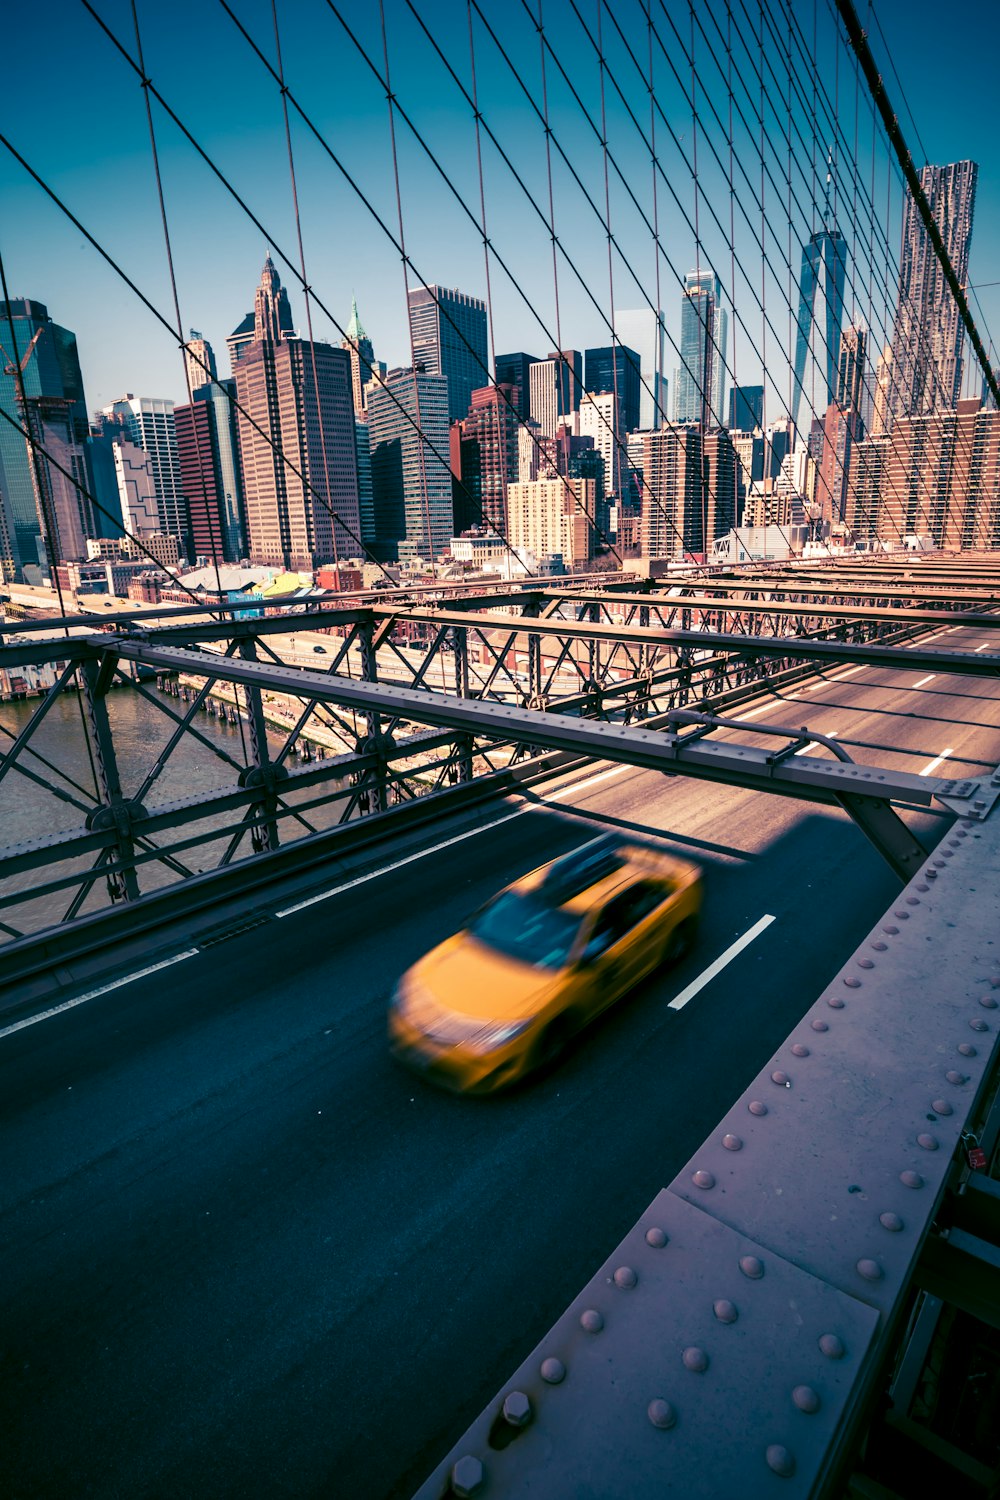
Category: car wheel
[680,942]
[553,1042]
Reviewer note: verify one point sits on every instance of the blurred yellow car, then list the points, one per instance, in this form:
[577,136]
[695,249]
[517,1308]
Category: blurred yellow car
[540,961]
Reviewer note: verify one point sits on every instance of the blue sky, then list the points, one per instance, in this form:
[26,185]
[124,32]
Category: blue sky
[75,109]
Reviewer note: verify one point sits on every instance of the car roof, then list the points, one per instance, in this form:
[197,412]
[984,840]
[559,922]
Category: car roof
[581,879]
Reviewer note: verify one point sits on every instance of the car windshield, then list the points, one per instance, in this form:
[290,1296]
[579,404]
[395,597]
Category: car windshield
[525,929]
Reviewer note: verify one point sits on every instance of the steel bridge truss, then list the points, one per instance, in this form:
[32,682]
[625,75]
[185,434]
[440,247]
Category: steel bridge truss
[386,706]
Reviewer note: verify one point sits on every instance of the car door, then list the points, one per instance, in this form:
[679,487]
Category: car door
[618,953]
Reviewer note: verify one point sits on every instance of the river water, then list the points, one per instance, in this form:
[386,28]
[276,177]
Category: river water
[29,810]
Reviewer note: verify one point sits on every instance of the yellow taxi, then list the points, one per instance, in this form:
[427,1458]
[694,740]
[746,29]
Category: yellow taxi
[540,961]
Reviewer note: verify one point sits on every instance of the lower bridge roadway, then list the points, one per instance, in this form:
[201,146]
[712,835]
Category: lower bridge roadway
[244,1254]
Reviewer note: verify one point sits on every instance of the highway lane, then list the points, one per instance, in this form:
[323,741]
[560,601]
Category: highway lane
[244,1254]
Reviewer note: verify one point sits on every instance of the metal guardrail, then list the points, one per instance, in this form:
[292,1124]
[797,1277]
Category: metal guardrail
[734,1340]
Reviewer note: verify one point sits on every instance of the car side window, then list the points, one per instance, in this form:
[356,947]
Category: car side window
[614,921]
[645,896]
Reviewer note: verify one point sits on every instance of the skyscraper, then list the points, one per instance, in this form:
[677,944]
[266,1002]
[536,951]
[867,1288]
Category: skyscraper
[616,368]
[448,330]
[148,422]
[699,383]
[746,407]
[852,376]
[644,330]
[928,332]
[271,311]
[46,355]
[555,384]
[362,356]
[512,369]
[820,317]
[600,419]
[411,481]
[199,359]
[298,395]
[488,458]
[670,462]
[210,472]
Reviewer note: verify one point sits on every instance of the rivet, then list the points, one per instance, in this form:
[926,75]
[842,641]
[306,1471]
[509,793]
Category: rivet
[913,900]
[781,1460]
[781,1079]
[591,1321]
[978,1025]
[467,1475]
[625,1278]
[941,1107]
[732,1142]
[961,834]
[798,1050]
[866,963]
[890,1221]
[831,1346]
[805,1398]
[957,1078]
[703,1179]
[988,1001]
[954,842]
[852,983]
[725,1311]
[756,1107]
[939,863]
[931,874]
[967,1049]
[751,1266]
[661,1414]
[517,1409]
[870,1270]
[892,931]
[927,1141]
[922,885]
[947,854]
[695,1359]
[995,981]
[835,1002]
[553,1370]
[903,916]
[911,1179]
[656,1237]
[880,947]
[820,1026]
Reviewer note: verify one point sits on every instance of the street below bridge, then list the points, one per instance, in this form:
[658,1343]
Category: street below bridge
[244,1254]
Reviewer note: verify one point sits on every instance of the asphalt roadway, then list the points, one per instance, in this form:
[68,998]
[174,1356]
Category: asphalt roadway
[244,1254]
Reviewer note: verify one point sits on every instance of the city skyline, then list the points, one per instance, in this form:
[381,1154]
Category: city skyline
[37,240]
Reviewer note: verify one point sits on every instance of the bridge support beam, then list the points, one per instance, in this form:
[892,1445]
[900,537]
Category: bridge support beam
[885,829]
[114,812]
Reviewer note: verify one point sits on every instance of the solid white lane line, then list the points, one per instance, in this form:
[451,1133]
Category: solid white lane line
[580,786]
[763,708]
[831,734]
[829,681]
[984,647]
[458,838]
[935,637]
[707,975]
[932,765]
[115,984]
[925,680]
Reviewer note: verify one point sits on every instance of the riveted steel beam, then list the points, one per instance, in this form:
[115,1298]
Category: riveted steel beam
[738,764]
[791,647]
[897,617]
